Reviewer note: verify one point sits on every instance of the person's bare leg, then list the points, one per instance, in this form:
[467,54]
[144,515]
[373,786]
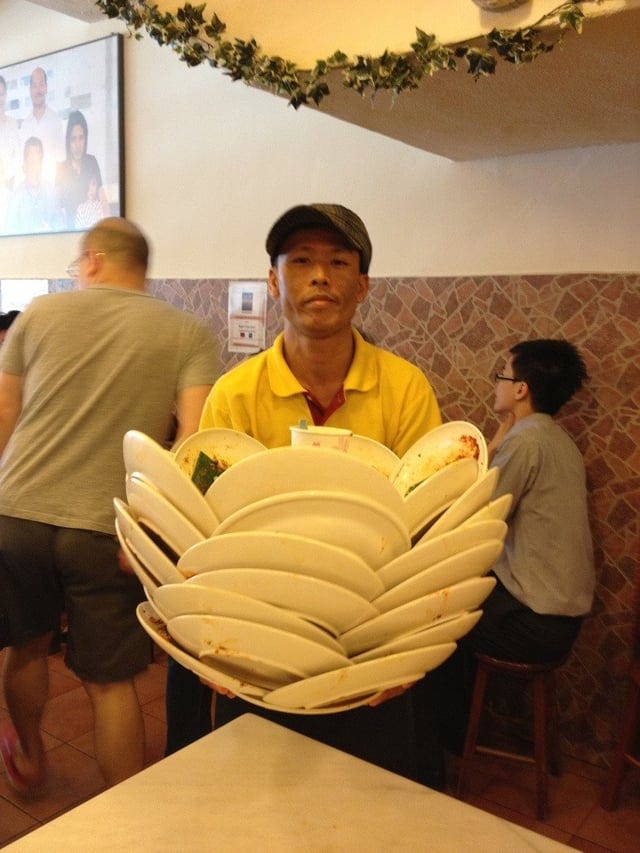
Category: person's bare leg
[118,729]
[26,688]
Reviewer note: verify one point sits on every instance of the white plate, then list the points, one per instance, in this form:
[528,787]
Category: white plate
[435,494]
[496,509]
[148,581]
[425,554]
[290,469]
[474,562]
[145,456]
[373,453]
[150,555]
[417,614]
[150,506]
[445,631]
[333,708]
[439,447]
[193,598]
[329,605]
[328,688]
[156,628]
[358,679]
[224,446]
[346,520]
[283,552]
[228,638]
[477,496]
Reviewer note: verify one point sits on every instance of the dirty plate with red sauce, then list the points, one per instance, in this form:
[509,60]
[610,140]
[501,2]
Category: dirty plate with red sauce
[438,448]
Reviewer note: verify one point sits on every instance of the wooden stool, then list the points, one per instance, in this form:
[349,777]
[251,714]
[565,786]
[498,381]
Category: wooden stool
[623,753]
[542,676]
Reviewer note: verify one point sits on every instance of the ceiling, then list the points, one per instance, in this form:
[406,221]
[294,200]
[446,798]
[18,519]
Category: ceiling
[585,92]
[84,10]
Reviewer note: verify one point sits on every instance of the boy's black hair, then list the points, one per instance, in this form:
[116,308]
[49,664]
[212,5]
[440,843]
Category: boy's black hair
[552,368]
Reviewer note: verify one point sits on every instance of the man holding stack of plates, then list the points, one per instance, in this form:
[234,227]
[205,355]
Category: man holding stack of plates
[319,369]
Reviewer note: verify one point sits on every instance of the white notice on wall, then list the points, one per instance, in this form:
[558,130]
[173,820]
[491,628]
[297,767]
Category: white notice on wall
[247,316]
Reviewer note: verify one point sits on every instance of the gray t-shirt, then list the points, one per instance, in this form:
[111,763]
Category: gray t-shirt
[547,562]
[95,363]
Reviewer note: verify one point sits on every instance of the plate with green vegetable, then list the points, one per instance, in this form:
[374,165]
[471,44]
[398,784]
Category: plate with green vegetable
[204,455]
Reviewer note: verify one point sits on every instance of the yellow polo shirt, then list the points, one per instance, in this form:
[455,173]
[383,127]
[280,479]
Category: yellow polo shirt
[386,398]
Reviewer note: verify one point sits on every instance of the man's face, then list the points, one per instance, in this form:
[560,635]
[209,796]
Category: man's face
[505,391]
[38,88]
[318,281]
[33,165]
[77,142]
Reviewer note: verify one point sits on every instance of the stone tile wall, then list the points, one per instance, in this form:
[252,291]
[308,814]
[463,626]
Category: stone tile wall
[458,331]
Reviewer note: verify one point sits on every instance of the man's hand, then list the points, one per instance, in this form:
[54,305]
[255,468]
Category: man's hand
[223,691]
[503,428]
[390,694]
[123,563]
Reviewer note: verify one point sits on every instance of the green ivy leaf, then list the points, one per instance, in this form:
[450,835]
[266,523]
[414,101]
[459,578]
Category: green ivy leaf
[198,41]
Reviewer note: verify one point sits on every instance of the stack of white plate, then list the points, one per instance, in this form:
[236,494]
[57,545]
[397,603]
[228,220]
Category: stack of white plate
[308,579]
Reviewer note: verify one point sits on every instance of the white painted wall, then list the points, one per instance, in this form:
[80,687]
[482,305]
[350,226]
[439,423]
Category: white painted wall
[211,163]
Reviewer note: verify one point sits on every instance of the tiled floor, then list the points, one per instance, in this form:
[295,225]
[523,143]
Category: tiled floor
[501,787]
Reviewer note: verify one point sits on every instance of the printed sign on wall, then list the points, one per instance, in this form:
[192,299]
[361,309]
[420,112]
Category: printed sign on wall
[247,316]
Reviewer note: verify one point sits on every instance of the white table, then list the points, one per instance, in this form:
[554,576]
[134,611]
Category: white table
[253,785]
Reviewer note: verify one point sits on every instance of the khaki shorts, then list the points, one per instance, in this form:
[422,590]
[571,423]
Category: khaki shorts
[45,569]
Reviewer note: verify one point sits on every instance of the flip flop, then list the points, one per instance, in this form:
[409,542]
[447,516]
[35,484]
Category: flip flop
[19,782]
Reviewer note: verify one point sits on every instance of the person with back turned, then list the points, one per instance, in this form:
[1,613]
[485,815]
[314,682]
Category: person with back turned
[77,371]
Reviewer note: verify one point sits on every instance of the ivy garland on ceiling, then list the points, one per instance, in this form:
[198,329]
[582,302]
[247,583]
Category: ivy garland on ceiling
[197,40]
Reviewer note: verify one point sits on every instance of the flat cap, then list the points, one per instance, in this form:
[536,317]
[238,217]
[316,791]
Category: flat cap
[333,216]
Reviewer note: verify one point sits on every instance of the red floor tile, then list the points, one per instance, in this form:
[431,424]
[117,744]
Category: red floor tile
[587,846]
[61,681]
[68,715]
[73,777]
[151,684]
[13,821]
[156,708]
[618,830]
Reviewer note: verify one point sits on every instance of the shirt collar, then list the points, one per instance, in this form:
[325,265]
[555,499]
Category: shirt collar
[362,374]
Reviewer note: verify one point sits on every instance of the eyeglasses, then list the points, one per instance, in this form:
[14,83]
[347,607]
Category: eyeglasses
[498,376]
[73,270]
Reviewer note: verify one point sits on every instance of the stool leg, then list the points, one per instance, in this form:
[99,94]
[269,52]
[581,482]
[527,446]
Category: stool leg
[473,725]
[540,737]
[631,717]
[552,721]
